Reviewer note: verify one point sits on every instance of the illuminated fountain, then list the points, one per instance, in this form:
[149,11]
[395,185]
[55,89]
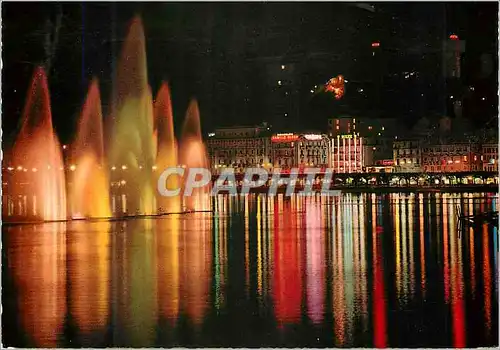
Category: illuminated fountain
[193,154]
[166,147]
[37,157]
[89,191]
[139,145]
[131,145]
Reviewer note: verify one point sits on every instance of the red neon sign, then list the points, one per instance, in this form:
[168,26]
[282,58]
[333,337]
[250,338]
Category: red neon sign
[284,138]
[454,37]
[375,44]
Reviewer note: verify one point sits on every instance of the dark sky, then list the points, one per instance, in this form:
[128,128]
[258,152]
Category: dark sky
[201,48]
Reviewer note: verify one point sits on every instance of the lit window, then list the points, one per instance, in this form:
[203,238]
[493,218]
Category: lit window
[282,67]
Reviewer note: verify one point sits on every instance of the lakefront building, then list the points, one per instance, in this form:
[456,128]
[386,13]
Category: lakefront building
[348,153]
[489,157]
[239,148]
[407,156]
[284,150]
[313,151]
[451,157]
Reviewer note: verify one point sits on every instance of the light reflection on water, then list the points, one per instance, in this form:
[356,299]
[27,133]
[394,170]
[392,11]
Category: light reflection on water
[357,270]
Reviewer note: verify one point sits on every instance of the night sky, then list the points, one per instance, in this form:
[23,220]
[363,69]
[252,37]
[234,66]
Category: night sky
[220,53]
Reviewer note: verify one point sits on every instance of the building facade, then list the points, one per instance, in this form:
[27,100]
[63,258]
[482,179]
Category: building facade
[284,150]
[341,126]
[239,148]
[313,151]
[347,153]
[407,156]
[489,156]
[451,157]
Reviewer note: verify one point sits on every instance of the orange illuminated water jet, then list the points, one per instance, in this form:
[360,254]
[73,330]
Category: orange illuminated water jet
[193,154]
[37,148]
[89,192]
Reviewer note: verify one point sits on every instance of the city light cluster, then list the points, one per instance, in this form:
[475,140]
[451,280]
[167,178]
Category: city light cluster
[336,87]
[199,179]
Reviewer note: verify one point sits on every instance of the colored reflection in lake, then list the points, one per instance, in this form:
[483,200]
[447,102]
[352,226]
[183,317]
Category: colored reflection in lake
[368,270]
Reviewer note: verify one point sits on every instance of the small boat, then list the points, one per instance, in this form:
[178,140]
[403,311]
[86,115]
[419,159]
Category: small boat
[489,217]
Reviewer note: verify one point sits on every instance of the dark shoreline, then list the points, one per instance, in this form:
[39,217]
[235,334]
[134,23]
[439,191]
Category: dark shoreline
[383,189]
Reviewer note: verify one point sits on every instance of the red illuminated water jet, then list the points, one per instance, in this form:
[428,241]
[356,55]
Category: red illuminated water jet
[166,146]
[36,155]
[193,154]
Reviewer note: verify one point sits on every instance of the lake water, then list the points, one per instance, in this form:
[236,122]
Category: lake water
[386,270]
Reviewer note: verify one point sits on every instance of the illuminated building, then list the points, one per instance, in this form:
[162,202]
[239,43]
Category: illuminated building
[347,153]
[380,147]
[489,156]
[239,147]
[284,150]
[341,126]
[380,166]
[407,155]
[313,150]
[453,48]
[378,133]
[451,157]
[366,127]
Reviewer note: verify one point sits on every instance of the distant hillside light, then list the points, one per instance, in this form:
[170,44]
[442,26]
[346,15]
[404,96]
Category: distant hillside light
[336,86]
